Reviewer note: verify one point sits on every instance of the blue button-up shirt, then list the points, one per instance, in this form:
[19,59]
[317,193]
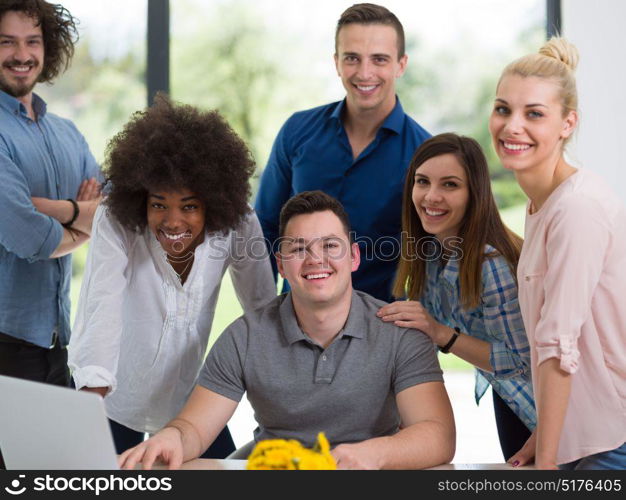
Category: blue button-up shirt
[312,151]
[45,158]
[497,320]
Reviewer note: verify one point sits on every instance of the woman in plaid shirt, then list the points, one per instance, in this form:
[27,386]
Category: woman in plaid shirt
[458,271]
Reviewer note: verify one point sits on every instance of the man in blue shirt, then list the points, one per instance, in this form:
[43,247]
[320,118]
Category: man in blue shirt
[356,150]
[45,167]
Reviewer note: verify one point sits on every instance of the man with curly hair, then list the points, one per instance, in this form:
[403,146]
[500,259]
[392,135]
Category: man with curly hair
[176,217]
[48,195]
[356,150]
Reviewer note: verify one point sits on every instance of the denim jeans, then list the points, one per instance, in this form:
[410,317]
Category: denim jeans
[512,432]
[606,460]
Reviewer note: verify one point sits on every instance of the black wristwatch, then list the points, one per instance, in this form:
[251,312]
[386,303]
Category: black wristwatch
[446,348]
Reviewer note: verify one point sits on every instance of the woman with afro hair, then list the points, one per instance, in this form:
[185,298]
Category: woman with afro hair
[176,216]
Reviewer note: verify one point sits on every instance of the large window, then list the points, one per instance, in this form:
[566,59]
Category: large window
[258,61]
[105,83]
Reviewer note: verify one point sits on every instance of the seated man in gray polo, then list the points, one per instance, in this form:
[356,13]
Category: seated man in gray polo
[318,359]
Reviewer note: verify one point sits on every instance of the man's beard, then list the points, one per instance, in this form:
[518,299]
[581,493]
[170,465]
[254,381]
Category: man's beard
[20,88]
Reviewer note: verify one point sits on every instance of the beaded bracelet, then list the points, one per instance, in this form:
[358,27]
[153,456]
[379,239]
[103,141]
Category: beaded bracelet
[74,216]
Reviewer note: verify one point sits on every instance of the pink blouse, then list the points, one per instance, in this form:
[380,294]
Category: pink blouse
[572,294]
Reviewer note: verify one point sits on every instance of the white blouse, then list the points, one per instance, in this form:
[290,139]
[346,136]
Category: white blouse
[143,334]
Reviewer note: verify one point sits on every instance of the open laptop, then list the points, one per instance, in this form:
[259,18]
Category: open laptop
[49,427]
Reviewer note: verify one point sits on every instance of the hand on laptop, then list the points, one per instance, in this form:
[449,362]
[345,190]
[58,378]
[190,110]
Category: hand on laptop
[165,444]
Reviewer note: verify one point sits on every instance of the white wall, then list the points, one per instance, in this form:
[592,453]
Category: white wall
[597,29]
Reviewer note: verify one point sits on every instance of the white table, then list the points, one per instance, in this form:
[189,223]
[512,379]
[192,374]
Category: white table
[215,464]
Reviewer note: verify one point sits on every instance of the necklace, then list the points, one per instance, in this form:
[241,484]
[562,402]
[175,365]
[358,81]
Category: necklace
[180,275]
[175,260]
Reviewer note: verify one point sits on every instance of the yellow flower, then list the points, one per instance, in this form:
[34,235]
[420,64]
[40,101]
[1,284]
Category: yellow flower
[280,454]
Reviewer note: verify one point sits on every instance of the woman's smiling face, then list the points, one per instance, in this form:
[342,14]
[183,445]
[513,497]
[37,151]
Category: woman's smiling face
[527,125]
[176,218]
[440,195]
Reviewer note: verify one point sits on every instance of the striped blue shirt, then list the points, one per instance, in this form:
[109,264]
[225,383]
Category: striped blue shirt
[497,320]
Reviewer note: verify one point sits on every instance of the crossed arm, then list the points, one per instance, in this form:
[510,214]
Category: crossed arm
[427,438]
[87,198]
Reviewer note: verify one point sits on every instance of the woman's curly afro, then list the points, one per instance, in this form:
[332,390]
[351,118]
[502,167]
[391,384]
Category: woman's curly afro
[169,147]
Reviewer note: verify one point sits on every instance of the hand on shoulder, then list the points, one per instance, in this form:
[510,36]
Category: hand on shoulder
[411,314]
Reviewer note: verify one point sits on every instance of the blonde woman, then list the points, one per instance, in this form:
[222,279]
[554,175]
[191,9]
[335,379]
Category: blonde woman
[572,269]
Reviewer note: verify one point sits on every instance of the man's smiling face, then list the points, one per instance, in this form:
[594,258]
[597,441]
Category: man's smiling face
[317,259]
[368,64]
[21,53]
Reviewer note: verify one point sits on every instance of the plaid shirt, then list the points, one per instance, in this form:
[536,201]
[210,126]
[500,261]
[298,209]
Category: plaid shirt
[496,320]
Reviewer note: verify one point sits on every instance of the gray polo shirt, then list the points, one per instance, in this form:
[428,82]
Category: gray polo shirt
[298,389]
